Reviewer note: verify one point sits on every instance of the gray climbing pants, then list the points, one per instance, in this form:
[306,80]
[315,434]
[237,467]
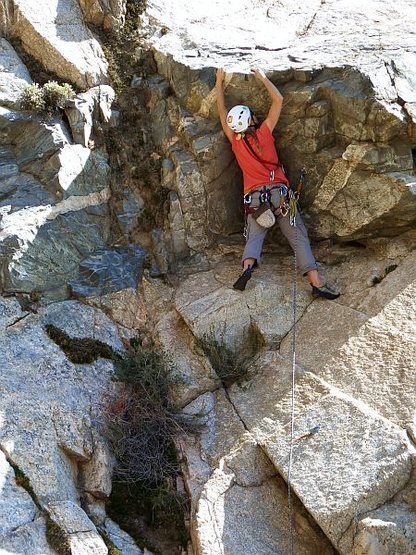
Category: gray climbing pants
[255,235]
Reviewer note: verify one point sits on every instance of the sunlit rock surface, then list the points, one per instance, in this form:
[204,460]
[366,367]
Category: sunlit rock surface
[13,75]
[50,428]
[54,33]
[53,202]
[284,35]
[347,73]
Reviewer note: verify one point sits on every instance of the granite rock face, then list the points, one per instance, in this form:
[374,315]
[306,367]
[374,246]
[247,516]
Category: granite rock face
[109,14]
[51,409]
[353,126]
[54,33]
[354,452]
[53,202]
[13,75]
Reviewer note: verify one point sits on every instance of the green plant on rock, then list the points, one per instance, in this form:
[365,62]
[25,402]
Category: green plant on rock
[230,366]
[31,98]
[141,422]
[57,95]
[378,279]
[80,350]
[57,538]
[47,99]
[142,426]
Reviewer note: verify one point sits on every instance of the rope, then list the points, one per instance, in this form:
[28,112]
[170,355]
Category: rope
[292,417]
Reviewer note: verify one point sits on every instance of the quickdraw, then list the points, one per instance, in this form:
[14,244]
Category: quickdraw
[293,198]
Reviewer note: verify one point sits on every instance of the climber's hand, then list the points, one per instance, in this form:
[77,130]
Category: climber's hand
[220,76]
[259,74]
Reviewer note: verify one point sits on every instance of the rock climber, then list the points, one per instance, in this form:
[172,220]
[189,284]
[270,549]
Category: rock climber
[265,181]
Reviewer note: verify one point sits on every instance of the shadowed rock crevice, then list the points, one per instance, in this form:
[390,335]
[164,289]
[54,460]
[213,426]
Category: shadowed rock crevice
[21,479]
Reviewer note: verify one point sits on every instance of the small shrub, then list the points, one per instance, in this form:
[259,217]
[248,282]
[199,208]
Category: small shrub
[141,422]
[80,350]
[142,427]
[230,366]
[47,99]
[378,279]
[32,98]
[57,95]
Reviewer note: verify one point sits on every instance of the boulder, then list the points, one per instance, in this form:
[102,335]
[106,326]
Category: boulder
[392,525]
[108,270]
[88,322]
[73,524]
[125,307]
[221,432]
[54,33]
[292,37]
[369,354]
[53,201]
[17,507]
[243,507]
[28,538]
[355,203]
[51,409]
[191,373]
[347,459]
[88,109]
[75,171]
[263,314]
[109,15]
[13,75]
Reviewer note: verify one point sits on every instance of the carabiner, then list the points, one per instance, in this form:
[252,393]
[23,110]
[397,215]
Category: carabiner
[265,197]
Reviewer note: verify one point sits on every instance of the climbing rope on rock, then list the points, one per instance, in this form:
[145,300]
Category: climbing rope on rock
[292,412]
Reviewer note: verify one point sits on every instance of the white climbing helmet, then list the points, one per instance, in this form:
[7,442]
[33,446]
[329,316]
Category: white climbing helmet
[238,118]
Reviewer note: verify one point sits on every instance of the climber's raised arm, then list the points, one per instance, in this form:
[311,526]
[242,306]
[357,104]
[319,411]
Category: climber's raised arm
[222,110]
[277,99]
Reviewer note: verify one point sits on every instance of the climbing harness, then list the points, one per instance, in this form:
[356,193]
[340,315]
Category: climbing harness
[288,200]
[263,200]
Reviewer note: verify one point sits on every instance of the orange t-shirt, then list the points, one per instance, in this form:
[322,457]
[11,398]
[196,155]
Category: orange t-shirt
[257,173]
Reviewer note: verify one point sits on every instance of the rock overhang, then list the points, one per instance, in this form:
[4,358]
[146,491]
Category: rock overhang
[287,35]
[347,76]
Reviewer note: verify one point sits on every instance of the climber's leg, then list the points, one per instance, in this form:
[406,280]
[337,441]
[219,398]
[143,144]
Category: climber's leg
[252,251]
[299,241]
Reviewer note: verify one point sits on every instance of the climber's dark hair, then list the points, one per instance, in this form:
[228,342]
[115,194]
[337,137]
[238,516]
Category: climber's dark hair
[251,130]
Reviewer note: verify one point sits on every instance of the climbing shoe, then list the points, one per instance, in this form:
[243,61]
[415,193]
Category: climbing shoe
[325,291]
[241,283]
